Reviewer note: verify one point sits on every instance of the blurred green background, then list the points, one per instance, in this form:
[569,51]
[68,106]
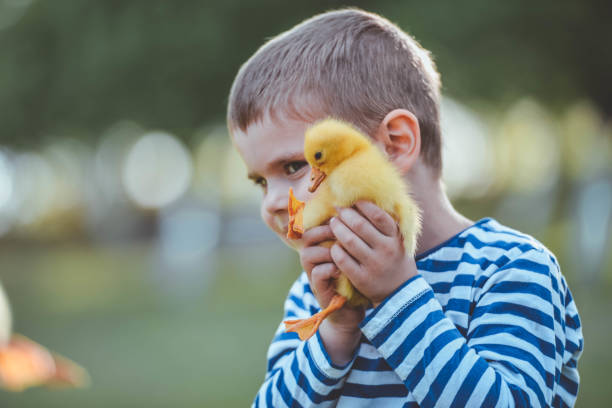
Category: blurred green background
[130,239]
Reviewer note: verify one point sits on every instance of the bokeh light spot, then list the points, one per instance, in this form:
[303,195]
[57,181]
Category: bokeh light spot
[6,180]
[157,170]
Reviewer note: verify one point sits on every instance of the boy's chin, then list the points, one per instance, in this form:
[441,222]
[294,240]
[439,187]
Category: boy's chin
[295,244]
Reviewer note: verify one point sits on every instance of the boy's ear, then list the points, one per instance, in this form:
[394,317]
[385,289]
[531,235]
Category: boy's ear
[400,136]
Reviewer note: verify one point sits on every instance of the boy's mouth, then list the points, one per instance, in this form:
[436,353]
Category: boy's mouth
[316,178]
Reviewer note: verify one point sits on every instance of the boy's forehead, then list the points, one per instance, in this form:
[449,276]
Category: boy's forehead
[270,139]
[267,130]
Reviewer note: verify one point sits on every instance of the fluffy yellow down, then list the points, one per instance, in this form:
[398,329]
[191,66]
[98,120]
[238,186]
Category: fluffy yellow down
[355,170]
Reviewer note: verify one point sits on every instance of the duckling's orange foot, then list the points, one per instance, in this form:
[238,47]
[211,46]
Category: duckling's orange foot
[306,328]
[296,217]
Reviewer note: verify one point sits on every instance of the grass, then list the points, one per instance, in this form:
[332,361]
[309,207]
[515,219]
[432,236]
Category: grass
[145,345]
[149,340]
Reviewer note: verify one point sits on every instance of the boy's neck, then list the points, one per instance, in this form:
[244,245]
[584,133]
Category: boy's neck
[440,221]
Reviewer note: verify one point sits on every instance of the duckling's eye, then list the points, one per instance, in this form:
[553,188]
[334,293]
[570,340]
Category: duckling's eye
[318,155]
[294,167]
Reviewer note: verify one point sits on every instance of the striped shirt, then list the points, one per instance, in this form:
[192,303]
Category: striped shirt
[489,321]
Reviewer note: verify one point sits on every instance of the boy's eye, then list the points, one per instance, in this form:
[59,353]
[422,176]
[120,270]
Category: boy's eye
[294,167]
[261,182]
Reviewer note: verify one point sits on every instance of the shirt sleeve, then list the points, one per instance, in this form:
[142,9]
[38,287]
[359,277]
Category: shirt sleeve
[300,373]
[513,350]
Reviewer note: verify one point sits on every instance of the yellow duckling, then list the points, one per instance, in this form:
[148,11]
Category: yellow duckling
[347,167]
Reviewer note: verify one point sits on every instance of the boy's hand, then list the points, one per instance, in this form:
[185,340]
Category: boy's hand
[322,273]
[370,250]
[340,331]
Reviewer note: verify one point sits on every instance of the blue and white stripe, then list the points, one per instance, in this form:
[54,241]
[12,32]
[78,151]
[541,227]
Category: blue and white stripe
[489,321]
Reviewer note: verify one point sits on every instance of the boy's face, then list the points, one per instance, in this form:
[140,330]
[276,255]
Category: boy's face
[273,151]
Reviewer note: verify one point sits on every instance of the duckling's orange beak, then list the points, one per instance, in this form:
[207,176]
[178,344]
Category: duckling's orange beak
[316,178]
[296,218]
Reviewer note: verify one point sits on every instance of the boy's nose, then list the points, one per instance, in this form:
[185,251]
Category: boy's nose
[276,200]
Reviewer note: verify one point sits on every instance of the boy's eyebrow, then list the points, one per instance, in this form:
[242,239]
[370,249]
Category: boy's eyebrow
[279,162]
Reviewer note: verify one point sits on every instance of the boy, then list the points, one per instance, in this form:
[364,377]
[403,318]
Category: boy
[481,317]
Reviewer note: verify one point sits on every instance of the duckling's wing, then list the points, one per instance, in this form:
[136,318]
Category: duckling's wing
[367,176]
[319,208]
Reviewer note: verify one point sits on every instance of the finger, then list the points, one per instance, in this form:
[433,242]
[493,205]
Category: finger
[314,255]
[345,262]
[350,241]
[359,225]
[316,235]
[378,217]
[322,281]
[325,272]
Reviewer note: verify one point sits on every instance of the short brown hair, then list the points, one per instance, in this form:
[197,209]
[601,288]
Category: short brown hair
[357,66]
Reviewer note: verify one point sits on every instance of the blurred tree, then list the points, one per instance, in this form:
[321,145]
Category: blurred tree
[75,65]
